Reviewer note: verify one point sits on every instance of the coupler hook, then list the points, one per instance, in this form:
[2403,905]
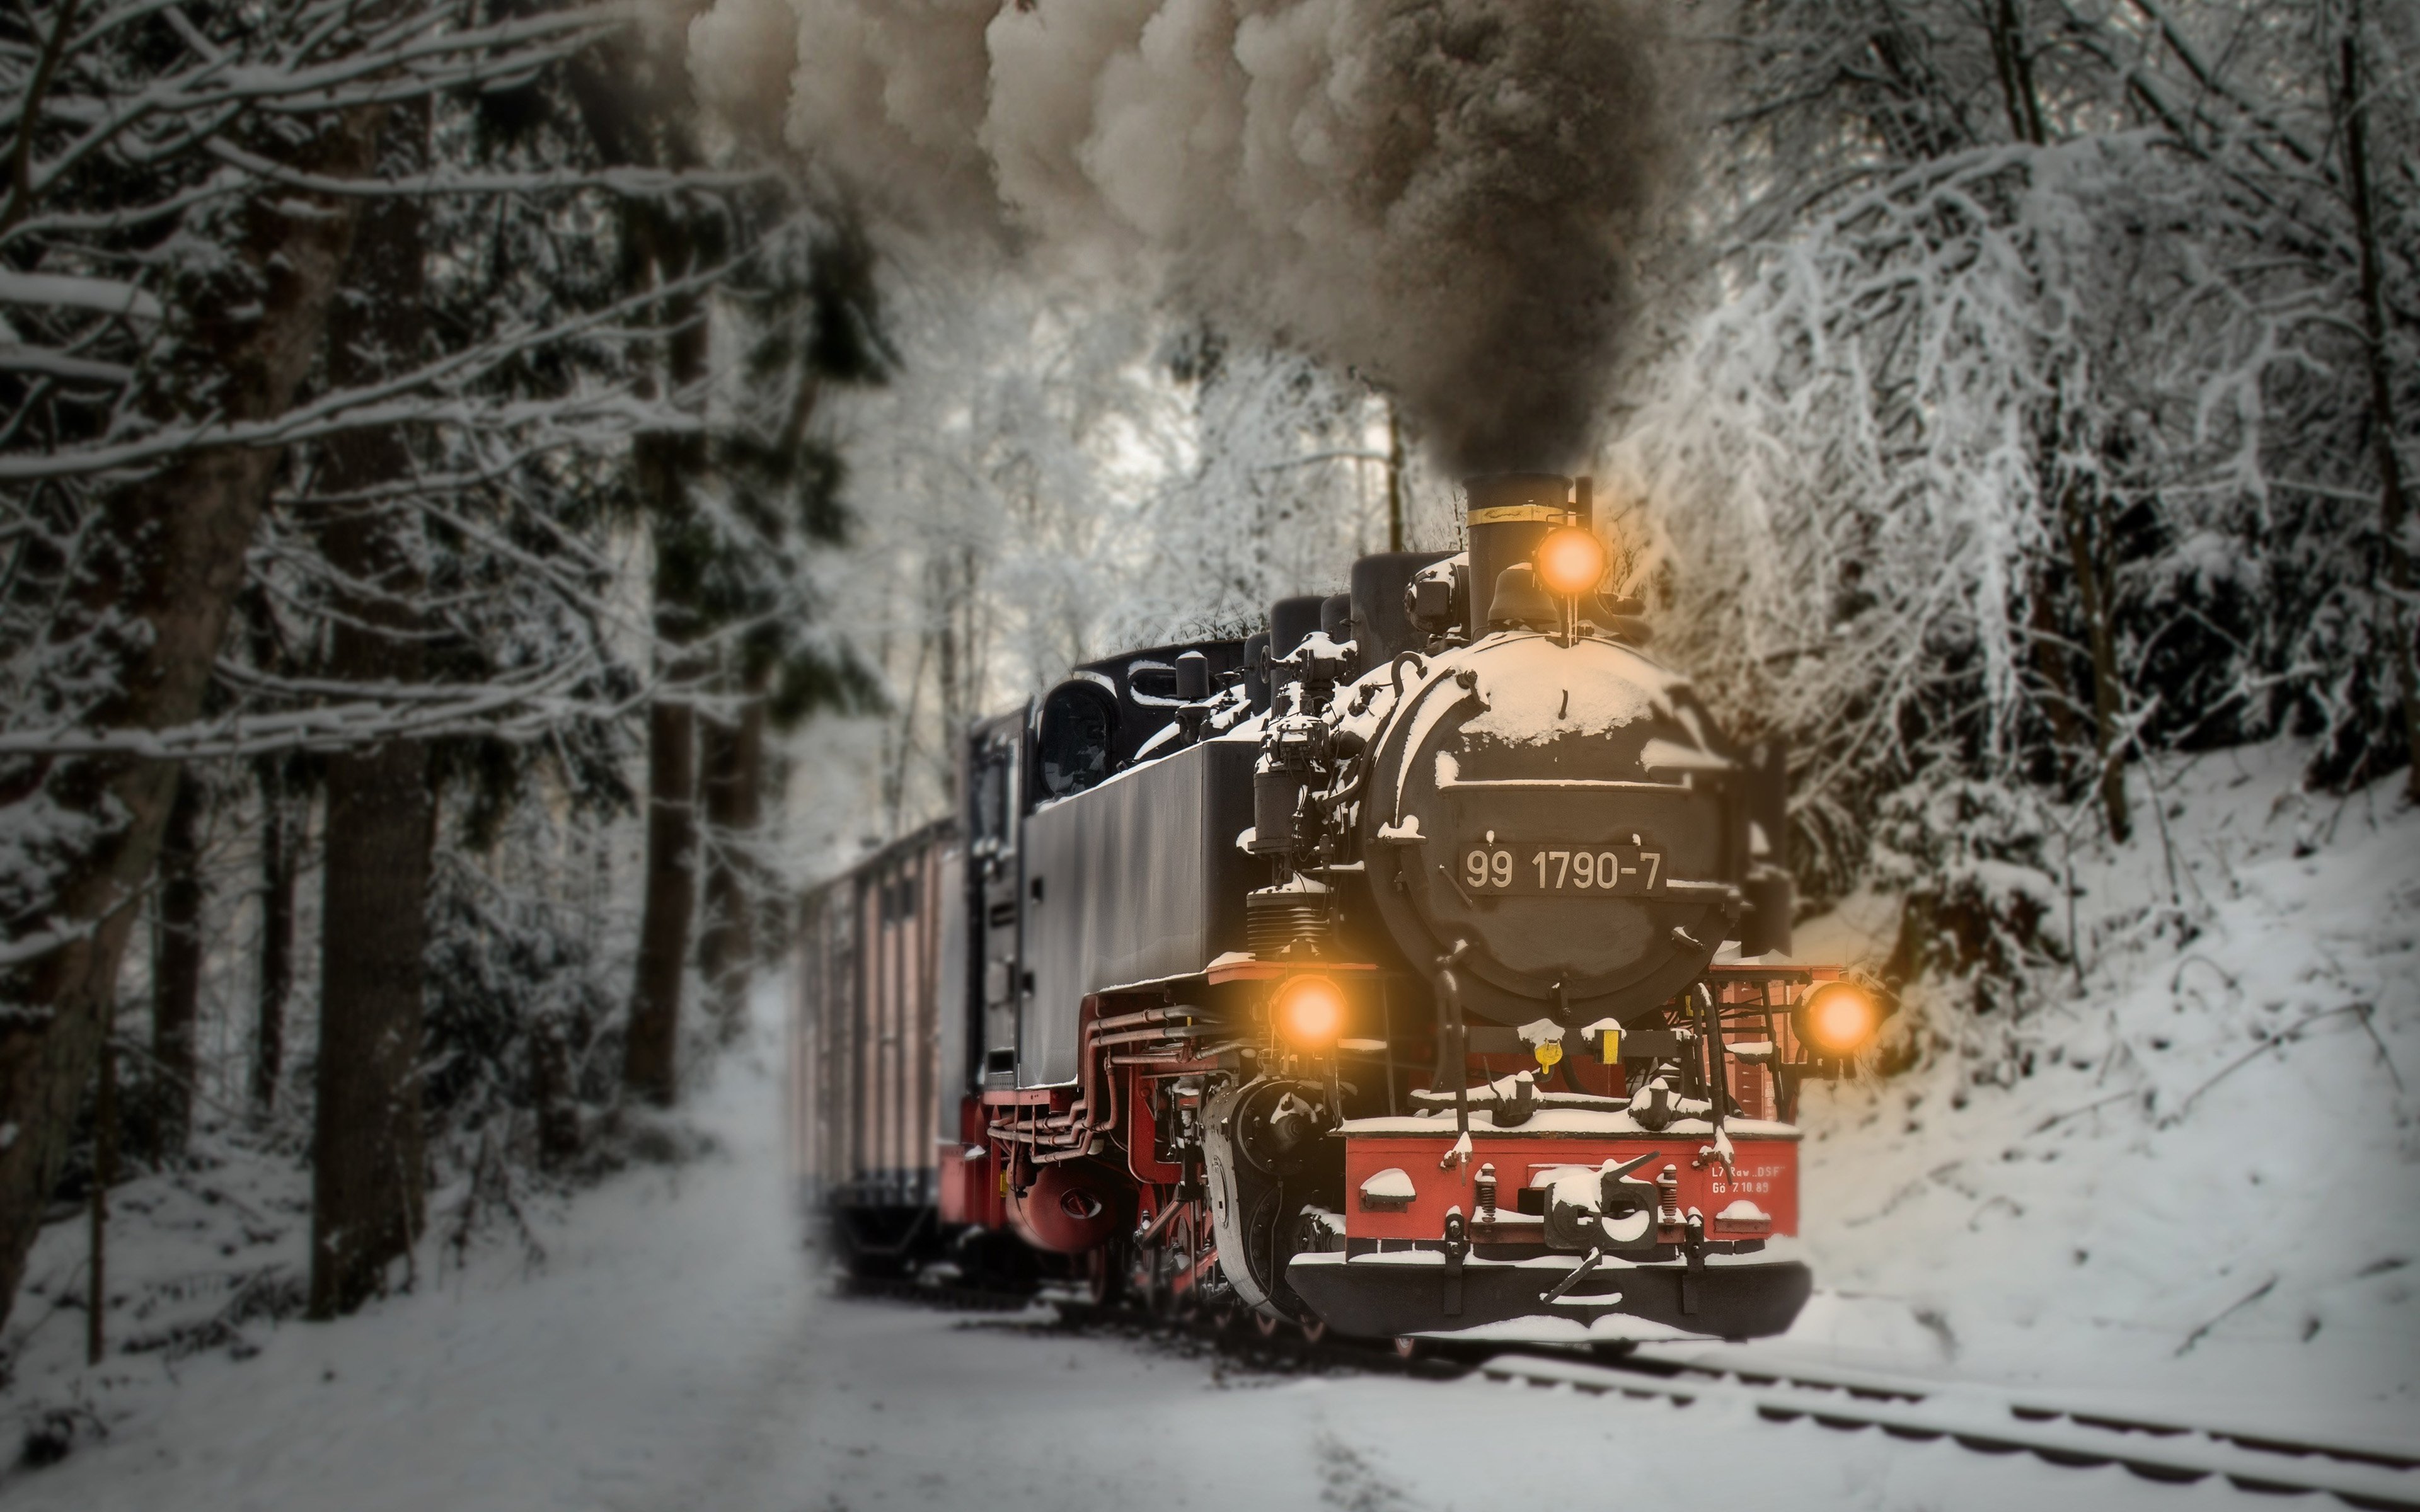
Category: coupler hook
[1594,1258]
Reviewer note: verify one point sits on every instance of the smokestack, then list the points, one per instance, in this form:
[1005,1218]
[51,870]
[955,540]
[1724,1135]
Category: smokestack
[1510,513]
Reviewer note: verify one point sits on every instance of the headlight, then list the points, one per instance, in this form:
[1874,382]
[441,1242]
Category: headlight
[1570,562]
[1309,1011]
[1837,1019]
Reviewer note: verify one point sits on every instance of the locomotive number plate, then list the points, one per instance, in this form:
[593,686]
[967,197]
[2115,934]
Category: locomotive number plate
[1495,868]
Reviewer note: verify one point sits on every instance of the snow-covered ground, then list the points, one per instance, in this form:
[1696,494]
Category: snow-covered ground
[2205,1201]
[2208,1190]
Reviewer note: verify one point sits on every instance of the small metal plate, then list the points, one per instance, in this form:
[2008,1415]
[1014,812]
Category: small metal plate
[1498,866]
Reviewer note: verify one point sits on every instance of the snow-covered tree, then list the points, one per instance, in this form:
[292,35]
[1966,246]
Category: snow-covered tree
[2047,409]
[409,483]
[2051,398]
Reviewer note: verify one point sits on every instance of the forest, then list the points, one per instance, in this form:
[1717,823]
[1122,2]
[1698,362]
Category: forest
[497,496]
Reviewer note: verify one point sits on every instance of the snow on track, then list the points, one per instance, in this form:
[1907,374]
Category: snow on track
[1992,1421]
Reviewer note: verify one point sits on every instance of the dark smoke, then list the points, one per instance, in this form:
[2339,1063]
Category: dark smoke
[1442,195]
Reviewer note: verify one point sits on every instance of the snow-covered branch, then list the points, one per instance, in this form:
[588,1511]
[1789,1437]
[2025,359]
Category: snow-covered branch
[507,711]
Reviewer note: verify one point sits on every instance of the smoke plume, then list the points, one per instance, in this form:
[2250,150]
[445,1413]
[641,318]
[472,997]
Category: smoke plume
[1438,194]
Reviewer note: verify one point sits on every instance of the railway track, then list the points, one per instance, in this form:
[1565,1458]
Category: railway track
[1993,1420]
[1230,1333]
[948,1296]
[1984,1419]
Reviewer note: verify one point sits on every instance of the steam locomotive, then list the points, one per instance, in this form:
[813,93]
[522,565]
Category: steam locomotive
[1366,974]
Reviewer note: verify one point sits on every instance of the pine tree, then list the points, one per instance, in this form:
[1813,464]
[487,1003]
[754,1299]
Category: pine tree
[367,1206]
[176,970]
[170,249]
[149,609]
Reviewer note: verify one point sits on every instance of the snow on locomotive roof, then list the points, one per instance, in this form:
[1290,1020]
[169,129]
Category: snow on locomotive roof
[1536,692]
[1247,731]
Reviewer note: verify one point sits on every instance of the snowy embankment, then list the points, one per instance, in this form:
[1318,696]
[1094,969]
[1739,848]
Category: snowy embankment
[2207,1190]
[598,1368]
[2203,1197]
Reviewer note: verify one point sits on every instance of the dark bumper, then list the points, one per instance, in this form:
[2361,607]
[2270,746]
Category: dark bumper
[1384,1299]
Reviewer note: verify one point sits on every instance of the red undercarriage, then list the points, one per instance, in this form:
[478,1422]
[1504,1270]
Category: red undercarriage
[1070,1169]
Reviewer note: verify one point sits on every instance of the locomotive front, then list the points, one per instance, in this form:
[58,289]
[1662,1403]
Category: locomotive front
[1545,828]
[1372,973]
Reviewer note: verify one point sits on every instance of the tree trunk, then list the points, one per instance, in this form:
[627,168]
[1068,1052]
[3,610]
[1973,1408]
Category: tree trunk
[553,1094]
[1395,461]
[648,1046]
[731,777]
[277,851]
[177,972]
[105,1172]
[2092,585]
[2053,666]
[2016,70]
[668,466]
[2394,503]
[367,1198]
[182,539]
[774,924]
[636,114]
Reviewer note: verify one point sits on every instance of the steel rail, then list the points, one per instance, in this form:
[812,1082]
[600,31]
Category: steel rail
[1987,1419]
[1994,1420]
[2026,1403]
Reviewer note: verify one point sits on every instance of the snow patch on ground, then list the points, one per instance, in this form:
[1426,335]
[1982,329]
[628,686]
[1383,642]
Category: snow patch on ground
[588,1372]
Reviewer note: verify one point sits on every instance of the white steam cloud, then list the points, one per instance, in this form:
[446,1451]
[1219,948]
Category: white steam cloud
[1440,194]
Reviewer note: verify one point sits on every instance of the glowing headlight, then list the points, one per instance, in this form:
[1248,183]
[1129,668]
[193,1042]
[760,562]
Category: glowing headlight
[1570,562]
[1839,1019]
[1308,1011]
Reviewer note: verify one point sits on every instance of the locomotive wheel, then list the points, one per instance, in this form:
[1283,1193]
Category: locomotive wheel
[1266,1326]
[864,1259]
[1143,1280]
[993,1260]
[1256,1141]
[1268,1231]
[1406,1347]
[1313,1330]
[1104,1275]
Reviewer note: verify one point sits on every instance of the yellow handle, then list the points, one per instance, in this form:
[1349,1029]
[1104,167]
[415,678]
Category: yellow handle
[1517,515]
